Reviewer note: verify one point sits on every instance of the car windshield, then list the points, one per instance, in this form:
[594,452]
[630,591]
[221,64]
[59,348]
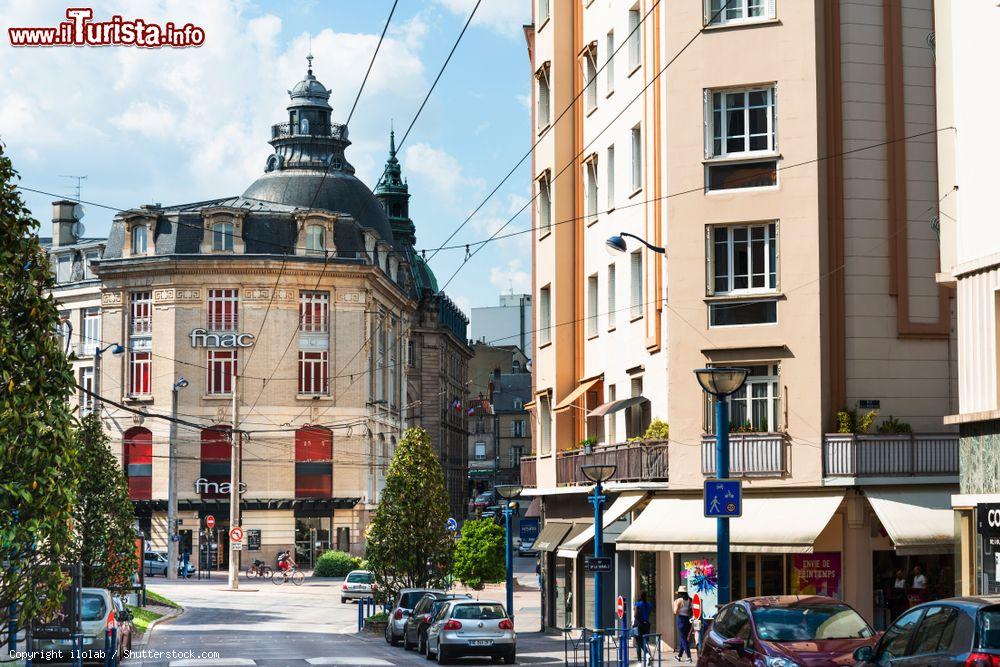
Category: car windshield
[809,623]
[92,607]
[484,496]
[989,628]
[409,600]
[360,577]
[479,612]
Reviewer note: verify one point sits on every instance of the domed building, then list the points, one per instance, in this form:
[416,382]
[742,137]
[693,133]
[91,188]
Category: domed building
[304,296]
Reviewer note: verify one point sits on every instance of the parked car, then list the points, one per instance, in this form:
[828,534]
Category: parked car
[405,602]
[99,611]
[481,501]
[526,548]
[155,563]
[785,631]
[956,631]
[417,622]
[358,585]
[471,627]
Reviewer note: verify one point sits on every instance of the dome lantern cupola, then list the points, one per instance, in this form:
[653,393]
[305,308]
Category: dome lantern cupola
[394,194]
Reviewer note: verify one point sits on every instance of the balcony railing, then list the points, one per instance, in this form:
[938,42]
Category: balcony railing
[883,455]
[282,130]
[644,461]
[529,475]
[750,455]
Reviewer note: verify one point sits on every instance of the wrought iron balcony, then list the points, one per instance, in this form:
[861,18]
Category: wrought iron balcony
[750,455]
[641,461]
[890,455]
[285,130]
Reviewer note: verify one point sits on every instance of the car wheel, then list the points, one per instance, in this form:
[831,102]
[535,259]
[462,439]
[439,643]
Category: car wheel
[427,651]
[442,657]
[343,600]
[407,646]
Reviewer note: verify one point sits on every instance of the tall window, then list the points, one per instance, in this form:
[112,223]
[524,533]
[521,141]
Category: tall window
[543,11]
[88,257]
[314,312]
[86,384]
[141,305]
[543,101]
[635,291]
[138,460]
[64,332]
[517,428]
[223,309]
[221,367]
[742,121]
[480,451]
[636,158]
[592,305]
[516,452]
[545,314]
[544,425]
[140,364]
[139,240]
[222,236]
[393,343]
[314,373]
[634,38]
[589,65]
[313,463]
[721,12]
[609,61]
[64,269]
[379,369]
[756,405]
[743,259]
[590,189]
[216,452]
[610,169]
[612,296]
[612,426]
[544,203]
[315,238]
[91,338]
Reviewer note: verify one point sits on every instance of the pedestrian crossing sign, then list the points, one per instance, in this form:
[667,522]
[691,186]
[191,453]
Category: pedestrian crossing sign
[723,498]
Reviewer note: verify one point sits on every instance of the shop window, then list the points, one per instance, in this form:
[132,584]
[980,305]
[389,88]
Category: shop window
[314,309]
[139,364]
[313,463]
[216,456]
[344,539]
[646,580]
[223,309]
[313,373]
[222,365]
[138,460]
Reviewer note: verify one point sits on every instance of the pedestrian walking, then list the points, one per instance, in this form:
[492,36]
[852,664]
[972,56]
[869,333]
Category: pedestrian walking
[185,559]
[640,626]
[682,616]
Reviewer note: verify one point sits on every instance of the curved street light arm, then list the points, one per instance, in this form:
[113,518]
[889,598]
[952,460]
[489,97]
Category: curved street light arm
[654,248]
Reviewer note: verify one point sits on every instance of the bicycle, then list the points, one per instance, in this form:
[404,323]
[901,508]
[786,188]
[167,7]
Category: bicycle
[292,574]
[259,569]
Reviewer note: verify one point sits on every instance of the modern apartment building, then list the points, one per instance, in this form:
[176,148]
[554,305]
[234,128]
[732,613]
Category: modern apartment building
[970,265]
[783,154]
[508,323]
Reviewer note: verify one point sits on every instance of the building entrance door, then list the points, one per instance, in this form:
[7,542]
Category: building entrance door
[312,538]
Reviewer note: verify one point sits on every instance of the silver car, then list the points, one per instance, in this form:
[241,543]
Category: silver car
[472,627]
[99,613]
[154,563]
[405,602]
[358,585]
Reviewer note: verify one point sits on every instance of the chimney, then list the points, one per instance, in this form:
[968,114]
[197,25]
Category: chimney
[62,223]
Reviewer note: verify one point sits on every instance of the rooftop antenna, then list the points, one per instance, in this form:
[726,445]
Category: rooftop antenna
[310,56]
[79,182]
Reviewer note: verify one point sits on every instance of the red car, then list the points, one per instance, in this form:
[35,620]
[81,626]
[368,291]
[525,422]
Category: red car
[785,631]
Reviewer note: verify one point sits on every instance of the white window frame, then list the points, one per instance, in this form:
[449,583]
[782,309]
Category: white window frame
[227,361]
[229,303]
[743,400]
[479,451]
[545,315]
[612,296]
[590,204]
[712,120]
[588,64]
[543,12]
[314,373]
[634,39]
[223,236]
[137,361]
[636,135]
[609,170]
[315,239]
[736,12]
[544,402]
[88,256]
[544,204]
[309,303]
[86,383]
[90,336]
[592,304]
[609,62]
[516,453]
[543,94]
[769,242]
[612,425]
[517,428]
[139,231]
[636,280]
[141,313]
[64,268]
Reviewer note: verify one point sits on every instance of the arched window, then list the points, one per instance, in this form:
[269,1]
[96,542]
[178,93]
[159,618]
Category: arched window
[216,455]
[304,126]
[315,238]
[223,234]
[138,459]
[139,240]
[313,463]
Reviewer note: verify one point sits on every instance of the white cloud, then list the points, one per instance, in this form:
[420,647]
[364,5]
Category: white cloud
[511,276]
[155,122]
[442,172]
[505,17]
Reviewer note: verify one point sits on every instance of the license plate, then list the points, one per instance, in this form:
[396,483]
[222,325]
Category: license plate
[480,642]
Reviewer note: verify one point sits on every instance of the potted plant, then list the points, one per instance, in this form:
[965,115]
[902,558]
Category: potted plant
[588,444]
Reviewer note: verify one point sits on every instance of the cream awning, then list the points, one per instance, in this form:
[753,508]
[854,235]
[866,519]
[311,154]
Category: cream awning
[919,521]
[614,406]
[571,398]
[779,523]
[622,504]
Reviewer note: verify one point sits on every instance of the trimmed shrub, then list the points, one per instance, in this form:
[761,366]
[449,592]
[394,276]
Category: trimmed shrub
[335,564]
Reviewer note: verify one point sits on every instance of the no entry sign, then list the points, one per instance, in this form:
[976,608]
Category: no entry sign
[236,534]
[620,607]
[696,606]
[210,521]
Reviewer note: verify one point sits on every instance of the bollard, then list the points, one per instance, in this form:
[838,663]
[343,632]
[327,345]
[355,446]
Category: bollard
[114,646]
[107,648]
[361,615]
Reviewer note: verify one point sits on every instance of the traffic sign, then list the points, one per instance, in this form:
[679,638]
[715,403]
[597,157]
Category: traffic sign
[723,498]
[236,534]
[210,521]
[451,524]
[696,606]
[620,607]
[236,546]
[595,564]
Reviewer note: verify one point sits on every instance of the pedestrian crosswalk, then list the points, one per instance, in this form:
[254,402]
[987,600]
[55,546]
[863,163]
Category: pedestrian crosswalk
[356,661]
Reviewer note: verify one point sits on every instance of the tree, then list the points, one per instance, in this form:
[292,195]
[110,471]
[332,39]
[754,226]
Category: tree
[480,553]
[104,515]
[409,545]
[37,450]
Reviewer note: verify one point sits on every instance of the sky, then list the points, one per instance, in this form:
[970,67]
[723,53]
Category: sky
[172,126]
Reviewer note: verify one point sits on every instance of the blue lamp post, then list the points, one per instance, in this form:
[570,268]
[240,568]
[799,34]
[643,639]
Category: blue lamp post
[721,383]
[508,492]
[598,473]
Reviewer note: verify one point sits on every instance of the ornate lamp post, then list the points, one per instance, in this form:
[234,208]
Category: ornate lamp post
[721,382]
[509,492]
[598,473]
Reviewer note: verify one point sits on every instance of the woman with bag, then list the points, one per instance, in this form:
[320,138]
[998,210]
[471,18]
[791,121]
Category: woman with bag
[640,625]
[682,614]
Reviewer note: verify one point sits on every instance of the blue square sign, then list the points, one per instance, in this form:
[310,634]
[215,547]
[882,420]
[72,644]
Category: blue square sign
[723,498]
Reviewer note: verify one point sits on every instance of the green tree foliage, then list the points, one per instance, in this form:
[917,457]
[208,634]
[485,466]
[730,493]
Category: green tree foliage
[104,515]
[335,564]
[480,553]
[37,450]
[849,421]
[408,541]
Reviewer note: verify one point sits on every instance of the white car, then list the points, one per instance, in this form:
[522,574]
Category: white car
[358,585]
[472,627]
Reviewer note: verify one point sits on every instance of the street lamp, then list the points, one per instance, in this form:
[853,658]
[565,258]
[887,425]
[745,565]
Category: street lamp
[598,473]
[116,349]
[722,382]
[616,244]
[508,492]
[172,537]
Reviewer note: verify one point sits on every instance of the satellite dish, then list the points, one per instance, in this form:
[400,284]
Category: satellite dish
[79,230]
[78,212]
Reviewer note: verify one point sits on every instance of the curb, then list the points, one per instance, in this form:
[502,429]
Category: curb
[152,626]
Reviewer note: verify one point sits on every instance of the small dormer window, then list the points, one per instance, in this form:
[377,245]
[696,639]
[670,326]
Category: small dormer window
[338,163]
[223,234]
[315,238]
[140,245]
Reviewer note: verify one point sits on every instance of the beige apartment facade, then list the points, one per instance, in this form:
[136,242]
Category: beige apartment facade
[784,154]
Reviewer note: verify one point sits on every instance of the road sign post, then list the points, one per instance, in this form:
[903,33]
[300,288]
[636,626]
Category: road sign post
[723,498]
[210,521]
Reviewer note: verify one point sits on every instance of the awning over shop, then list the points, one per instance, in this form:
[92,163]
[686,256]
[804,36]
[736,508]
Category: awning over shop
[612,407]
[534,508]
[552,534]
[919,521]
[623,503]
[571,398]
[779,523]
